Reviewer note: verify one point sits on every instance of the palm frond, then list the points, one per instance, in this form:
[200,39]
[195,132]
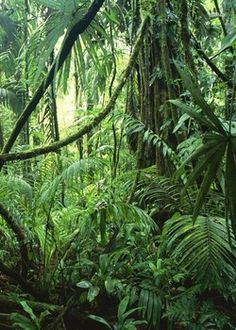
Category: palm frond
[151,305]
[149,302]
[200,101]
[202,248]
[210,155]
[56,4]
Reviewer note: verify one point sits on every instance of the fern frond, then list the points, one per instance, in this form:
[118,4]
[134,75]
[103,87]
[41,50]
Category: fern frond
[71,175]
[121,211]
[133,125]
[78,168]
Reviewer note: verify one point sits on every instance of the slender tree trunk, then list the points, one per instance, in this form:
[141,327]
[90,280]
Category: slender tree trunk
[185,35]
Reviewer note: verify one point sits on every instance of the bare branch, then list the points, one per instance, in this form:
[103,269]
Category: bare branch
[211,64]
[26,286]
[220,18]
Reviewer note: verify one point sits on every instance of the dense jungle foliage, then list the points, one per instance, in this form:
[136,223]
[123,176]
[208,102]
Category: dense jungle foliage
[118,164]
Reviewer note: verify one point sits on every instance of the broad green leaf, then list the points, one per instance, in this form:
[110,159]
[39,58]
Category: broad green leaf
[157,309]
[84,284]
[109,284]
[209,177]
[228,41]
[143,301]
[181,120]
[93,293]
[131,311]
[100,320]
[30,312]
[53,4]
[122,308]
[150,306]
[103,263]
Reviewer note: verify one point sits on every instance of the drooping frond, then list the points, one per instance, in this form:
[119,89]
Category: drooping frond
[153,189]
[80,167]
[44,39]
[125,212]
[72,174]
[132,126]
[10,32]
[9,98]
[13,187]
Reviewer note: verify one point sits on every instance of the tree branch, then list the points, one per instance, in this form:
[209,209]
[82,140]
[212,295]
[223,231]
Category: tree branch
[211,64]
[220,17]
[5,157]
[20,235]
[26,286]
[68,43]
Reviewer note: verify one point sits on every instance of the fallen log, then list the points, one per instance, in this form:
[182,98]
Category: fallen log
[8,304]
